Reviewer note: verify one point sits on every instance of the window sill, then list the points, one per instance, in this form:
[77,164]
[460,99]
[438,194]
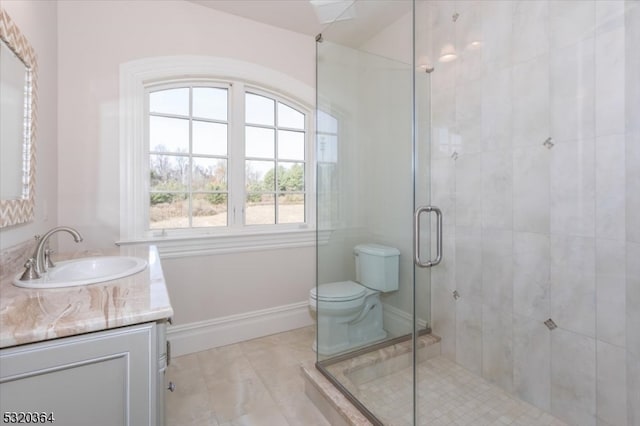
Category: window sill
[185,246]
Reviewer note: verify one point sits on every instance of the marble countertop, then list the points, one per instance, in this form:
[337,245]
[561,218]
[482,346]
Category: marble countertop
[34,315]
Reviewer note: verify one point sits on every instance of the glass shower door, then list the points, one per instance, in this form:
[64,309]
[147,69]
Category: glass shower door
[365,195]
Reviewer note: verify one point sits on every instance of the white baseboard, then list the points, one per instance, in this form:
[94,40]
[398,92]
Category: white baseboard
[398,322]
[203,335]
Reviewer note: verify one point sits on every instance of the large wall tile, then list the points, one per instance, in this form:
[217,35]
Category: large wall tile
[573,287]
[497,269]
[611,292]
[609,14]
[497,351]
[531,189]
[633,299]
[531,125]
[531,40]
[573,188]
[469,335]
[469,263]
[444,274]
[468,29]
[633,186]
[469,116]
[443,184]
[633,389]
[468,210]
[443,318]
[610,187]
[496,109]
[532,361]
[573,377]
[610,80]
[531,275]
[496,33]
[497,190]
[572,106]
[571,21]
[443,120]
[632,66]
[469,190]
[611,390]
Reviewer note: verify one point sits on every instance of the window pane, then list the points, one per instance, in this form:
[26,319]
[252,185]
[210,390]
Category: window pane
[168,210]
[259,176]
[209,174]
[327,123]
[259,110]
[259,142]
[209,102]
[290,145]
[168,172]
[327,148]
[291,208]
[289,117]
[209,138]
[170,101]
[290,176]
[260,209]
[168,134]
[209,210]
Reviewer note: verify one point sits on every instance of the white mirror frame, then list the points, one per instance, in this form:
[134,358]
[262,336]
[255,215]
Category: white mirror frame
[13,212]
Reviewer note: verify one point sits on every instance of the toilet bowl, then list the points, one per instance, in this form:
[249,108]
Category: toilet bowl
[350,316]
[349,313]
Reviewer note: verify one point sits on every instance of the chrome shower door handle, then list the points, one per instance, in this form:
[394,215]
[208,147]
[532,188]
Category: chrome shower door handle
[416,236]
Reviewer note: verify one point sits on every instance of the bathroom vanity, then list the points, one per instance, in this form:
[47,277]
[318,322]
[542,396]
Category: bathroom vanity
[93,354]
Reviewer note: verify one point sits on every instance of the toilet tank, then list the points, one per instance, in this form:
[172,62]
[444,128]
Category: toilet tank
[377,266]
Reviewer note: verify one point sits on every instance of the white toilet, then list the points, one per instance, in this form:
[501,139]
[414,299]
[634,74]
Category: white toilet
[349,314]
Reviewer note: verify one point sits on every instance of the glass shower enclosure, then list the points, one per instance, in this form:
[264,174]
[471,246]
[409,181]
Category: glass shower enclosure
[485,157]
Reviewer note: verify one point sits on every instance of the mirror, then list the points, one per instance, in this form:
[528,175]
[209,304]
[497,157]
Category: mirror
[17,124]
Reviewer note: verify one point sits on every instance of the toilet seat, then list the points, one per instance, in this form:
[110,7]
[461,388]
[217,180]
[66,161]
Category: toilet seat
[343,291]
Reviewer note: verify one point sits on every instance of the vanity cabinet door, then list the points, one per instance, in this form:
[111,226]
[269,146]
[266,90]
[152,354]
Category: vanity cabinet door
[100,379]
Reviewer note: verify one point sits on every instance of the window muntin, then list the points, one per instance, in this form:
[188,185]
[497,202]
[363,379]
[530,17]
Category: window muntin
[275,137]
[188,157]
[194,160]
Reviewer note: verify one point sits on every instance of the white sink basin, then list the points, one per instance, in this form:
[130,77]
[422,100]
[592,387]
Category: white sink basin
[86,270]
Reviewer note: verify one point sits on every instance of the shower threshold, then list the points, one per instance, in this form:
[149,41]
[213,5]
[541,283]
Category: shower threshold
[361,365]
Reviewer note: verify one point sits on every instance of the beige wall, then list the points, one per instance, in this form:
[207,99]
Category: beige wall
[95,37]
[37,21]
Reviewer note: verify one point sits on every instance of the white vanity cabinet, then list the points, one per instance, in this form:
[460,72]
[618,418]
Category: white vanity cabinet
[106,378]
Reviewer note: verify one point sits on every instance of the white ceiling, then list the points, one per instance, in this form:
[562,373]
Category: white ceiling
[294,15]
[371,16]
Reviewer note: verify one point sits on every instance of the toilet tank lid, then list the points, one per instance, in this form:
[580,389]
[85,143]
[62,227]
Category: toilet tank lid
[376,250]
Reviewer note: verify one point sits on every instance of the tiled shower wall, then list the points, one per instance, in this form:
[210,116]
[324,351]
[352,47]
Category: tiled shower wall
[536,165]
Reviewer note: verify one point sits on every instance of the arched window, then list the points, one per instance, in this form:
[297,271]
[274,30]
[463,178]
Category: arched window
[221,157]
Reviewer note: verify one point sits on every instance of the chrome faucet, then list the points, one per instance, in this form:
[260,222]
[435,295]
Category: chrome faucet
[38,259]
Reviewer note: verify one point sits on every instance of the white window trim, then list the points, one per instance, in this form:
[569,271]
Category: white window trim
[134,77]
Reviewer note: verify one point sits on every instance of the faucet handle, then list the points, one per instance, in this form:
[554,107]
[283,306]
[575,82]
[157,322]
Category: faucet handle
[30,272]
[47,256]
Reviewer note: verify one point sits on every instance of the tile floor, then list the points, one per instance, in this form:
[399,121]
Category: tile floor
[257,383]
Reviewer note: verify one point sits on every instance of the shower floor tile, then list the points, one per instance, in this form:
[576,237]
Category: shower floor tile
[448,395]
